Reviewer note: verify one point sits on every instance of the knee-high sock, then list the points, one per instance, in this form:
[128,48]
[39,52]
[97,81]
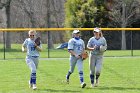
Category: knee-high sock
[81,76]
[97,76]
[33,78]
[92,78]
[68,74]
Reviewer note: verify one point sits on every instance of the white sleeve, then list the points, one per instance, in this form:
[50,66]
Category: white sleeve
[89,44]
[70,44]
[25,42]
[105,43]
[83,44]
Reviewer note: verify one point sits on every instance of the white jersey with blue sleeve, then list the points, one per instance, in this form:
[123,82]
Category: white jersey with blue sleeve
[96,42]
[77,46]
[31,50]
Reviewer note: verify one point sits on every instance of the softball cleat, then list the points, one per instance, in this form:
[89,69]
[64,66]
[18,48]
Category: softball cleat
[92,86]
[30,85]
[83,85]
[34,87]
[97,83]
[67,81]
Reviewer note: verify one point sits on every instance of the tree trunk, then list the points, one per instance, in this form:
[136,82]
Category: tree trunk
[50,41]
[123,41]
[123,45]
[8,34]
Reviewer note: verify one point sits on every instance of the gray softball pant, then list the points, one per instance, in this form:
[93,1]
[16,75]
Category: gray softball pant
[95,63]
[32,62]
[75,61]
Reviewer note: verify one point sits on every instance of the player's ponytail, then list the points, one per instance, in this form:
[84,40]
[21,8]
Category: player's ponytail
[101,34]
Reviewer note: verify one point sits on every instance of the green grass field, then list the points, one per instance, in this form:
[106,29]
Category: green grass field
[119,75]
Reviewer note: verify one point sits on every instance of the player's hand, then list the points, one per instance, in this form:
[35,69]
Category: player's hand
[37,41]
[23,49]
[35,44]
[77,56]
[84,55]
[38,48]
[97,47]
[93,48]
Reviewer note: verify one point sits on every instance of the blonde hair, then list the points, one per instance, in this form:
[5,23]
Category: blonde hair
[97,29]
[32,31]
[101,34]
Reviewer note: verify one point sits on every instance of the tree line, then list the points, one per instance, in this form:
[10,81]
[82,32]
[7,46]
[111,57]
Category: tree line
[106,13]
[75,14]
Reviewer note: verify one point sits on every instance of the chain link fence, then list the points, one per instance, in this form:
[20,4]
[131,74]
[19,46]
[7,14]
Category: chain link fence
[11,42]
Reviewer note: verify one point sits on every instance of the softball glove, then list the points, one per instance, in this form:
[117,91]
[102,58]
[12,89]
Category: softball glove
[84,55]
[37,41]
[102,48]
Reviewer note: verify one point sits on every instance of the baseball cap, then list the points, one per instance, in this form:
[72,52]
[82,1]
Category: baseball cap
[97,29]
[76,31]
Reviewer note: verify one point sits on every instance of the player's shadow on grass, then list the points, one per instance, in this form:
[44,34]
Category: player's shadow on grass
[10,50]
[61,91]
[117,88]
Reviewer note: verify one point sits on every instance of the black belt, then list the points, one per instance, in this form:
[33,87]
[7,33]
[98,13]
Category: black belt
[34,56]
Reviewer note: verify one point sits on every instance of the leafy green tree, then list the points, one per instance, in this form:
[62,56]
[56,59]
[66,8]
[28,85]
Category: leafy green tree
[84,14]
[79,13]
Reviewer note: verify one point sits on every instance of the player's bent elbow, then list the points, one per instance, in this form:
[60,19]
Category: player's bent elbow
[39,49]
[90,49]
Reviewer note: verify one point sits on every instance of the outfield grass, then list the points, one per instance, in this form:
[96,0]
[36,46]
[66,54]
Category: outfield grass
[119,75]
[15,52]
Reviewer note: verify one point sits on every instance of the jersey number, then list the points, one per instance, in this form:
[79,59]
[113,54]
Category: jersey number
[32,48]
[79,48]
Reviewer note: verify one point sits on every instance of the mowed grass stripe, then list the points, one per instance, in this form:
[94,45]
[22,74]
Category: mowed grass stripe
[119,75]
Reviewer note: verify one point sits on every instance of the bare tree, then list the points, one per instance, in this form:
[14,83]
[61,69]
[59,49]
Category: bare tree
[50,41]
[56,12]
[6,4]
[29,12]
[122,14]
[32,14]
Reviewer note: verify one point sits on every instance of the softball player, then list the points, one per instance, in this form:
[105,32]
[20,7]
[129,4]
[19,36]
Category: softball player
[76,47]
[32,57]
[96,56]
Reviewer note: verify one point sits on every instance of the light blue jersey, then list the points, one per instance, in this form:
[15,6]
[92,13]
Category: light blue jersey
[76,45]
[98,42]
[31,50]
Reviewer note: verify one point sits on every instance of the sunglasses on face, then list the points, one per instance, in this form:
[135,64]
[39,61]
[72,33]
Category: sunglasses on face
[32,35]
